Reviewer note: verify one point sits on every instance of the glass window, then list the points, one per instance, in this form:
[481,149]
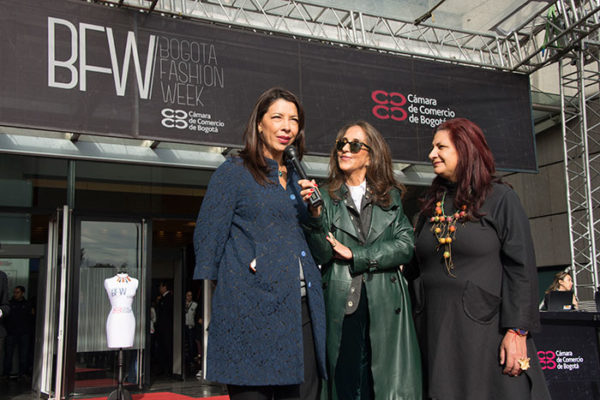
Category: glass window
[126,190]
[36,182]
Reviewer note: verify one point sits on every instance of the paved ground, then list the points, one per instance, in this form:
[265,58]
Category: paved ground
[20,389]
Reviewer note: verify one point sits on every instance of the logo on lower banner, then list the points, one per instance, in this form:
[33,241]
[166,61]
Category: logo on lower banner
[547,359]
[560,359]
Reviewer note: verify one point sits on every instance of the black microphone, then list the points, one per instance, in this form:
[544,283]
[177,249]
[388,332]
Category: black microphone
[292,155]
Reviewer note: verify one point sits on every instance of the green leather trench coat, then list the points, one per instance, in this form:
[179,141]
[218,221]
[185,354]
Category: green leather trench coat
[396,359]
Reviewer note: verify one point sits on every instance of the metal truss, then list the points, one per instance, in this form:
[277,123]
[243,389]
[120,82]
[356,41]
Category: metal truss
[580,77]
[551,33]
[538,41]
[561,30]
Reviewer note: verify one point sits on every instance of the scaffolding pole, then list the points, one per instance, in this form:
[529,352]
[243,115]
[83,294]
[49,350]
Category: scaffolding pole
[580,104]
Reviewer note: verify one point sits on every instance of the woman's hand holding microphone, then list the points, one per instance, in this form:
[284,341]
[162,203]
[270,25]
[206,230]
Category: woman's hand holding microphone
[308,188]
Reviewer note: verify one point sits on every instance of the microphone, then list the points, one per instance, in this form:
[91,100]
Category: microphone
[292,155]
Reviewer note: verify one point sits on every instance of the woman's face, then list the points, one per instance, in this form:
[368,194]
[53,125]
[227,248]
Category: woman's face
[279,127]
[350,162]
[565,284]
[188,296]
[444,156]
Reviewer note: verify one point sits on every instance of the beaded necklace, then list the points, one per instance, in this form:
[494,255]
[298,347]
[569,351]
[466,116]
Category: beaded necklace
[123,279]
[444,229]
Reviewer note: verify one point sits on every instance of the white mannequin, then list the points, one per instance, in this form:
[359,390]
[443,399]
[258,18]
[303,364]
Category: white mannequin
[120,325]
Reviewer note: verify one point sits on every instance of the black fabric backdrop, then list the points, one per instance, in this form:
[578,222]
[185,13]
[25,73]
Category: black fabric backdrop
[62,62]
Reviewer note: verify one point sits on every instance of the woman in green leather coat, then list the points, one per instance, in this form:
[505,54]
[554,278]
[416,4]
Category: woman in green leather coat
[361,237]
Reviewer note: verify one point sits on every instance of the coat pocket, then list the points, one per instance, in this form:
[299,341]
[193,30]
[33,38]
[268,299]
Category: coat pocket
[479,304]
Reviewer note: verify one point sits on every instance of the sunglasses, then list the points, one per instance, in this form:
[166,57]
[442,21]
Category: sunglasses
[355,145]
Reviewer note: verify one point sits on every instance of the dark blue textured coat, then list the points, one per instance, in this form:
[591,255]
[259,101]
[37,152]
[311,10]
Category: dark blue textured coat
[255,332]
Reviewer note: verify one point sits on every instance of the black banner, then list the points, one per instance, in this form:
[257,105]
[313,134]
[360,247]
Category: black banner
[567,348]
[86,68]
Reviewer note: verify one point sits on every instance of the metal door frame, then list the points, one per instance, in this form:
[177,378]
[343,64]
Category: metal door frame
[69,341]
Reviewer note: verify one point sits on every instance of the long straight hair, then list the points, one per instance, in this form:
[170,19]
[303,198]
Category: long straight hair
[380,173]
[475,169]
[556,282]
[252,153]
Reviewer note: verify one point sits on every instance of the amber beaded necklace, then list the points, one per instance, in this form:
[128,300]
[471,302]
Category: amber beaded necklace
[123,279]
[444,228]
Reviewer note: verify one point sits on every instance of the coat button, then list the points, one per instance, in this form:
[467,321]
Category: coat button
[352,290]
[303,253]
[293,197]
[398,310]
[393,278]
[309,284]
[350,303]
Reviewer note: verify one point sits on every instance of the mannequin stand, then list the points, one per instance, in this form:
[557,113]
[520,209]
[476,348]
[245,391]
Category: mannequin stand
[120,393]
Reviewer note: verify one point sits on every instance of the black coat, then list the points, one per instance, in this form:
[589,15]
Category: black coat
[19,322]
[462,320]
[164,315]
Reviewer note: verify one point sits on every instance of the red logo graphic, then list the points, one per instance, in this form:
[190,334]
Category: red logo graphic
[547,359]
[389,105]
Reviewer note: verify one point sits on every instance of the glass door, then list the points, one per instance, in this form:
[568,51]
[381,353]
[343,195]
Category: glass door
[36,270]
[22,264]
[103,249]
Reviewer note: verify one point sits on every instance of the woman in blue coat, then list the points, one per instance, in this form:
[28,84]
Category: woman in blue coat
[266,338]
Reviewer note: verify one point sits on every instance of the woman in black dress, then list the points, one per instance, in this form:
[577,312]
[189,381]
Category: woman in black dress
[478,283]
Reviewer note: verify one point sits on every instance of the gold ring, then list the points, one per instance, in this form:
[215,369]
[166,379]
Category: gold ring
[524,363]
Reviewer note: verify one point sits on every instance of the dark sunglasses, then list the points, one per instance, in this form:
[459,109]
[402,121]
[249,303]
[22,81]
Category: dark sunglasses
[355,145]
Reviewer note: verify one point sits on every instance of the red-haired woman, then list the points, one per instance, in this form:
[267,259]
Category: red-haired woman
[478,276]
